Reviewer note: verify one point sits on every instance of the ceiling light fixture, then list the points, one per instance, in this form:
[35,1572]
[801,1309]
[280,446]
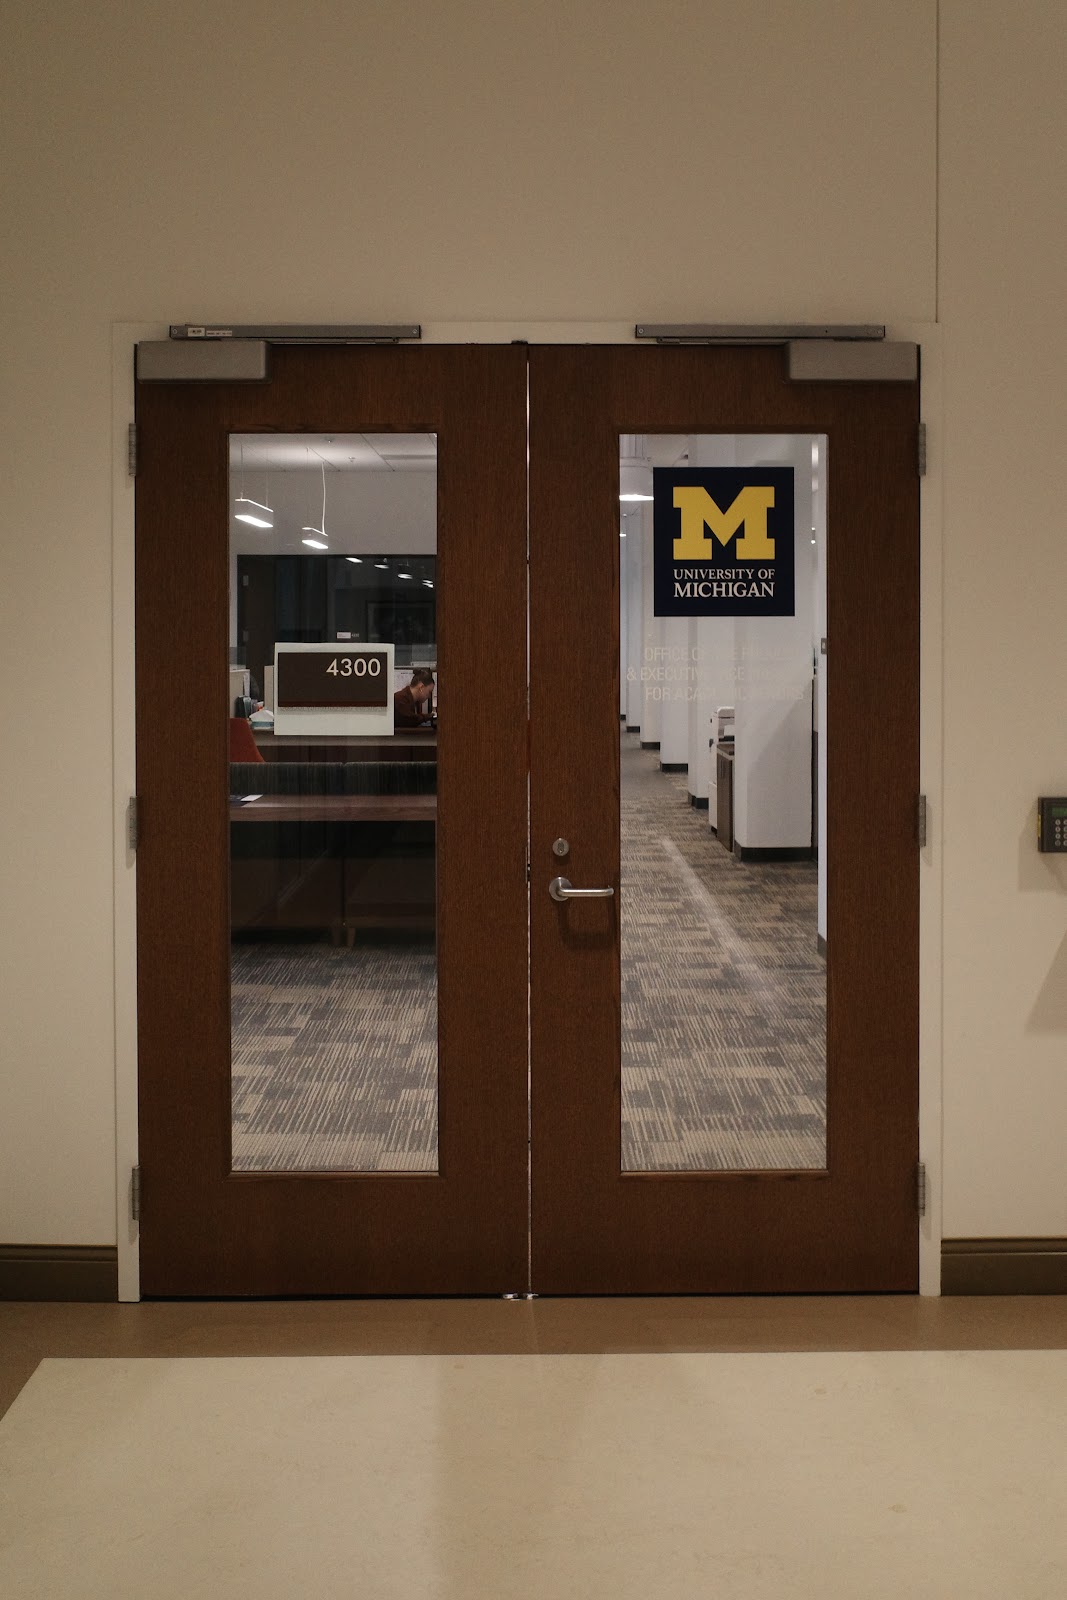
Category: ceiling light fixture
[257,513]
[321,539]
[382,566]
[259,516]
[635,497]
[358,560]
[405,574]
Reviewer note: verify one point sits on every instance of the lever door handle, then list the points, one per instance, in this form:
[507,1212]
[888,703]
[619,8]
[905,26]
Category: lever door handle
[560,889]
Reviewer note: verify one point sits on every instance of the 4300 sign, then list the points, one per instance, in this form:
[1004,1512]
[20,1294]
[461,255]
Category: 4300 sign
[347,678]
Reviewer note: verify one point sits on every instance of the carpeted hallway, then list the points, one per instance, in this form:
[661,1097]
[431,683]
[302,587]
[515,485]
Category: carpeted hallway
[723,1018]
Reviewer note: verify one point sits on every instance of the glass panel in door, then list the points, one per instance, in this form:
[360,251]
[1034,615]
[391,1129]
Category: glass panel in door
[332,697]
[722,911]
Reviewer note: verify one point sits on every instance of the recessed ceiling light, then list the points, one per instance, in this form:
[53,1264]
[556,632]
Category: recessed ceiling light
[635,497]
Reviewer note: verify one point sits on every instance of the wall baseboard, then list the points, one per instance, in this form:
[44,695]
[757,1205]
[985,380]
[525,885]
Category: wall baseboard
[968,1266]
[59,1272]
[745,852]
[698,803]
[674,766]
[1004,1266]
[649,744]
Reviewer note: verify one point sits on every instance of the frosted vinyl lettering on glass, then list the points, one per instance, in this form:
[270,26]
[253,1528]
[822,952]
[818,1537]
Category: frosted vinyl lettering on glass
[332,709]
[722,723]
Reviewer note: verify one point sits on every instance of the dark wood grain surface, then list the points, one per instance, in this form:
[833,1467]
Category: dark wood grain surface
[206,1231]
[418,744]
[336,808]
[854,1226]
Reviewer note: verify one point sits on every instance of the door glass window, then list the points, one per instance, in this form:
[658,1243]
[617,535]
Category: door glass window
[332,703]
[723,729]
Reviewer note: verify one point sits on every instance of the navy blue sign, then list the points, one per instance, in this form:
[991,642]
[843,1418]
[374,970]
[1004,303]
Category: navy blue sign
[723,542]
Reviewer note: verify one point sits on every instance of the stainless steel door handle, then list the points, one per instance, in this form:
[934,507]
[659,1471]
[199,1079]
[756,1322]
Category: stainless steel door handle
[560,889]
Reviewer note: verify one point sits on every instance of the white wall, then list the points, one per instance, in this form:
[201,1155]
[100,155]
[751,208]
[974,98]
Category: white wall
[632,555]
[466,162]
[673,639]
[367,513]
[773,679]
[711,644]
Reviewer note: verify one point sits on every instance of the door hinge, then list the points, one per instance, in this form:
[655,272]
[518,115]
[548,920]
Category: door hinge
[131,450]
[922,450]
[920,821]
[920,1188]
[528,872]
[133,823]
[135,1194]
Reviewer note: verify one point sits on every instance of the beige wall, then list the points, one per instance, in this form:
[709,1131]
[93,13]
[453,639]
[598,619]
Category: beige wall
[470,162]
[1003,242]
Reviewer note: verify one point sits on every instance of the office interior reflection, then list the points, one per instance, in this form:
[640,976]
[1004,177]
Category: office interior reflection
[723,729]
[332,701]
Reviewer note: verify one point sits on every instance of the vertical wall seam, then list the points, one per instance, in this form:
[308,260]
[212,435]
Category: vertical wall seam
[937,160]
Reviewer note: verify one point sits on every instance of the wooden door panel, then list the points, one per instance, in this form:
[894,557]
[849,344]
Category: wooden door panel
[853,1226]
[205,1230]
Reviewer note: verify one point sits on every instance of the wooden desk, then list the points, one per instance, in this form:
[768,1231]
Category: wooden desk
[410,744]
[342,880]
[337,808]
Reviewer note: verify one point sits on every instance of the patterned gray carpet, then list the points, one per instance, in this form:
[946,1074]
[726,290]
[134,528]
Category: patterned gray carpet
[723,993]
[723,1019]
[334,1058]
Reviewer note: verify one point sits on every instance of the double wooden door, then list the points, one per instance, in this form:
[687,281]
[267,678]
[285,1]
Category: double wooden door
[530,1187]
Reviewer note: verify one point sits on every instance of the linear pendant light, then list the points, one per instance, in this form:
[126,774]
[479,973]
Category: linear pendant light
[255,512]
[252,511]
[320,539]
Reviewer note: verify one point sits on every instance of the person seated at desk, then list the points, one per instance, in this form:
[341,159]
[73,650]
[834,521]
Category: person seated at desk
[413,706]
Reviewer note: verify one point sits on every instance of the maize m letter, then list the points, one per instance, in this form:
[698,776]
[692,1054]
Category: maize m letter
[699,511]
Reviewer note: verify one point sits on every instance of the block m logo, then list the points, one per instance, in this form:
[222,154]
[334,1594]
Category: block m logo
[699,511]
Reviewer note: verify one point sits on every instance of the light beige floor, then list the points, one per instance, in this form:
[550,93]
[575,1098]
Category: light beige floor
[32,1332]
[755,1476]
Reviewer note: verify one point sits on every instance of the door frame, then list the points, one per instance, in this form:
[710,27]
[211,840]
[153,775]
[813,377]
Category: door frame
[125,336]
